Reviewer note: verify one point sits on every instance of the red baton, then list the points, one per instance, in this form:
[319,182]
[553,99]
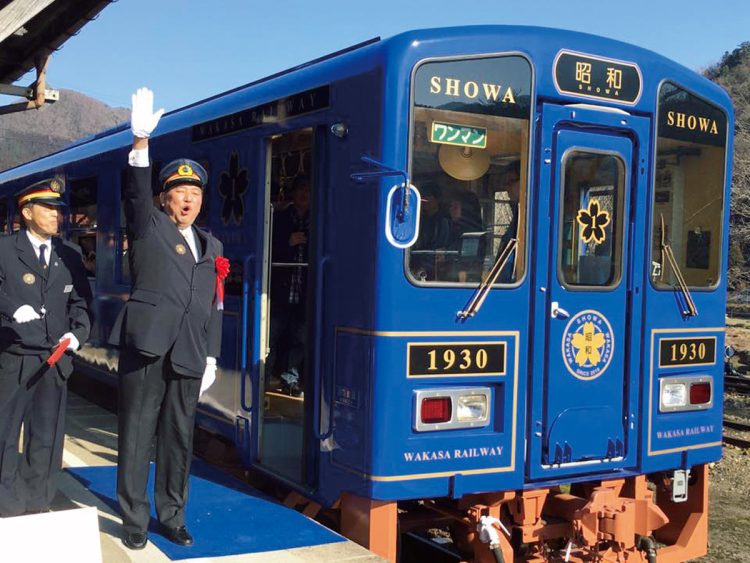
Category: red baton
[57,352]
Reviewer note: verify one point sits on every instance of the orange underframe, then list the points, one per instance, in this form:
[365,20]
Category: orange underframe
[618,512]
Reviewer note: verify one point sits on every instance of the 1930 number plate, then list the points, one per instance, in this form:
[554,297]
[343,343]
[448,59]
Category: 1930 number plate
[687,351]
[464,358]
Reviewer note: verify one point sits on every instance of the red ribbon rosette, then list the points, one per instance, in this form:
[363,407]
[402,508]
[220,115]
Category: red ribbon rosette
[222,271]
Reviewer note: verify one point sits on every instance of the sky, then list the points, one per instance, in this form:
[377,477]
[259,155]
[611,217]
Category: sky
[188,50]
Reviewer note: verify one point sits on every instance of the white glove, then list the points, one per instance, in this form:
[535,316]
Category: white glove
[143,120]
[73,345]
[209,375]
[25,313]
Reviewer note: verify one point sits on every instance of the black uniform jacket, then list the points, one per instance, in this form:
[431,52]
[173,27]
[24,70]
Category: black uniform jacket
[172,304]
[62,290]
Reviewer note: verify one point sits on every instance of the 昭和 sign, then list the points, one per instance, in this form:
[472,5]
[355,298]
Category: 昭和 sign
[596,77]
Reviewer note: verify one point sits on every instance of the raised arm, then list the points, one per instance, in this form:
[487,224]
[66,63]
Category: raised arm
[136,193]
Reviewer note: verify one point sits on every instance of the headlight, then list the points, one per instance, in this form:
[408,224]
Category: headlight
[471,408]
[674,395]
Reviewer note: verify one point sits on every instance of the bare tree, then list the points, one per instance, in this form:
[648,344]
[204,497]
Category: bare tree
[733,74]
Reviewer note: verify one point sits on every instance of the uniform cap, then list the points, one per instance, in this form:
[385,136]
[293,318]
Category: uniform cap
[48,191]
[182,171]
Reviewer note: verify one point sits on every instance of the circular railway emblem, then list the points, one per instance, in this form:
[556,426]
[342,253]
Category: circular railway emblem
[588,345]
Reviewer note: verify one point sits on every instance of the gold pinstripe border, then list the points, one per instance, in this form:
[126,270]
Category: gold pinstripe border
[415,476]
[651,452]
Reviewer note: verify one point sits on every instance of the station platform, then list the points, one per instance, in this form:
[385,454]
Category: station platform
[231,521]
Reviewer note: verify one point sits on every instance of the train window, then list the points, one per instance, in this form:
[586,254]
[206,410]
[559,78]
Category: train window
[469,143]
[202,220]
[590,237]
[15,223]
[3,216]
[82,220]
[688,189]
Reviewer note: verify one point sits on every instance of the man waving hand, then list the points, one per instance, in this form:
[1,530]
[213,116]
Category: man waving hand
[169,332]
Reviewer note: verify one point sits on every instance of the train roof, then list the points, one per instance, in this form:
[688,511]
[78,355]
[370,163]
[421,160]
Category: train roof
[538,43]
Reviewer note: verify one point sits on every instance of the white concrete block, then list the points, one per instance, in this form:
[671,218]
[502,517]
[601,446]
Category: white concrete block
[67,536]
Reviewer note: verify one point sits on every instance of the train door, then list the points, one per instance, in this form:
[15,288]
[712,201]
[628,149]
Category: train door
[288,253]
[585,375]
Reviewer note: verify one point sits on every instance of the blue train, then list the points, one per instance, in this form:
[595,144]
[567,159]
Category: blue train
[510,311]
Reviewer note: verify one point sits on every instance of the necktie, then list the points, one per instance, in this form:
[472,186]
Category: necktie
[42,259]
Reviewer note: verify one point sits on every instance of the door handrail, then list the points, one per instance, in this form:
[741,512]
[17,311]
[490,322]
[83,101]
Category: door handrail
[249,259]
[318,389]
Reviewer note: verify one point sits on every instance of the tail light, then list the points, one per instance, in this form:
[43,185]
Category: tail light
[686,393]
[700,393]
[451,408]
[436,410]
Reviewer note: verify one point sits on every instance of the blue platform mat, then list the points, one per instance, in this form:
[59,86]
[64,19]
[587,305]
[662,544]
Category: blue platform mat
[224,515]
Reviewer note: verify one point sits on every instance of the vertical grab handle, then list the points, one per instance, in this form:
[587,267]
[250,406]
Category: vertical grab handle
[318,388]
[246,270]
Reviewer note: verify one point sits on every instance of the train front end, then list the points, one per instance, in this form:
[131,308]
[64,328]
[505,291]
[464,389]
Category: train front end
[543,371]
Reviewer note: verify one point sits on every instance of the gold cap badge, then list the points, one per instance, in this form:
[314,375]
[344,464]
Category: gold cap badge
[185,170]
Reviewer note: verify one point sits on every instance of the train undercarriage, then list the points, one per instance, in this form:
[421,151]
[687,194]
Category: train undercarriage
[632,519]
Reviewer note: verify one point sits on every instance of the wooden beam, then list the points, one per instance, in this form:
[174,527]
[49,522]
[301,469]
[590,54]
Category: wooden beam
[18,13]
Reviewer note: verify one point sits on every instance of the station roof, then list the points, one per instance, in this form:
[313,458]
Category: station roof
[33,28]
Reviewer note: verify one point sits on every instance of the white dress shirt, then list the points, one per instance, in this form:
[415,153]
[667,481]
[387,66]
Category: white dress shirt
[36,243]
[138,158]
[189,235]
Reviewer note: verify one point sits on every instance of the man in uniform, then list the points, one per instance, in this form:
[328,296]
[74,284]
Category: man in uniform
[169,332]
[44,296]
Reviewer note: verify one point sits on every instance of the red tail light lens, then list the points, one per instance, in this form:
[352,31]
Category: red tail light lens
[435,410]
[700,393]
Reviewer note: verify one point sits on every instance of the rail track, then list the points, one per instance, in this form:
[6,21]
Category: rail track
[737,383]
[734,440]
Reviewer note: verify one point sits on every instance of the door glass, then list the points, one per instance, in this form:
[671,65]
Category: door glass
[590,252]
[282,436]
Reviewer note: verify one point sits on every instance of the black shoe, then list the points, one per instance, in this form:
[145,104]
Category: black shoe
[180,535]
[135,540]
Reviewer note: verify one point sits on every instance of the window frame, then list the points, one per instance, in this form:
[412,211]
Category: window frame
[623,200]
[721,272]
[531,135]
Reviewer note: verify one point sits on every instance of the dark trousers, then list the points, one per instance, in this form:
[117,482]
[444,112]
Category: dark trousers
[154,401]
[35,395]
[287,337]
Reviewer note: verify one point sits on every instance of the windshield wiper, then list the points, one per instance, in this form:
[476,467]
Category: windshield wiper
[480,294]
[666,250]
